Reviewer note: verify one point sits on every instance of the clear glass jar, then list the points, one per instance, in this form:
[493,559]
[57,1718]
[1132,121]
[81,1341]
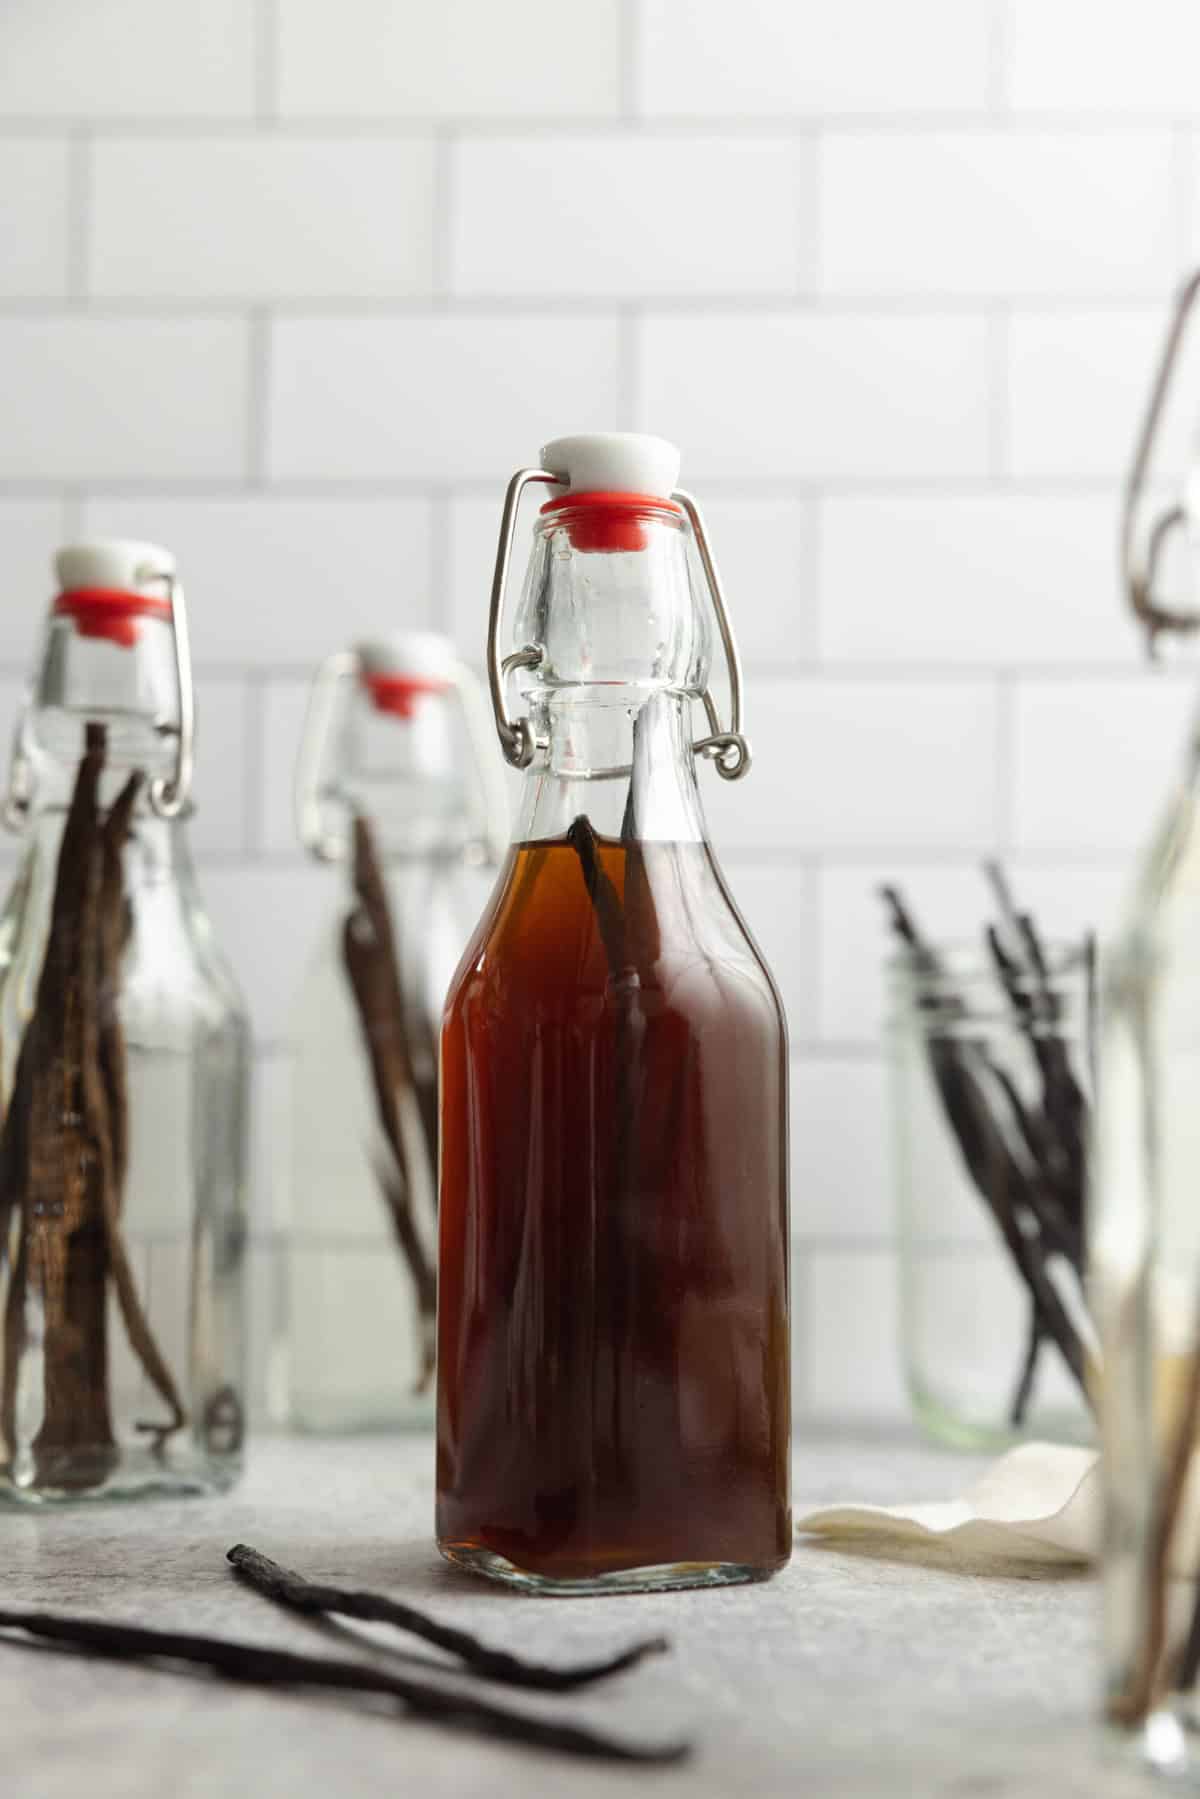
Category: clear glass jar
[613,1337]
[401,791]
[124,1069]
[988,1133]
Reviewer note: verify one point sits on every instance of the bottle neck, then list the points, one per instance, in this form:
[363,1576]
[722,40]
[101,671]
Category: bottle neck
[623,650]
[620,758]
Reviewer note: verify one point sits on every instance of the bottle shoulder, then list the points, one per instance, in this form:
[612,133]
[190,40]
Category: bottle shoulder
[574,925]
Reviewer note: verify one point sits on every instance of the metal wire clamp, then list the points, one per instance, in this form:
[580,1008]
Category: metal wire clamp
[1141,556]
[728,749]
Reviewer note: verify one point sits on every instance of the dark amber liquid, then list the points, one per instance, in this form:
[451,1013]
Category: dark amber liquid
[613,1306]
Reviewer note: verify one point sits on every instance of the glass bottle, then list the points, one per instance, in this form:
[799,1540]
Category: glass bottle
[1145,1220]
[990,1060]
[123,1068]
[399,786]
[613,1339]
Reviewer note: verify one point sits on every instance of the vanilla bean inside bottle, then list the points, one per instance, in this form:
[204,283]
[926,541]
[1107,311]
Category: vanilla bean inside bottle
[613,1307]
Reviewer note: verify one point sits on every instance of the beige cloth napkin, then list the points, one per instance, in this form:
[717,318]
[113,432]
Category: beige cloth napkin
[1040,1503]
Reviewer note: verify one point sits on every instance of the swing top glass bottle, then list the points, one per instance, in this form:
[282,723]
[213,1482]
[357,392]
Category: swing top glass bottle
[123,1066]
[613,1310]
[399,788]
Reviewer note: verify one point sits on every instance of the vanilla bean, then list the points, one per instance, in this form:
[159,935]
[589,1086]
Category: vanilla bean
[250,1665]
[316,1598]
[965,1075]
[369,956]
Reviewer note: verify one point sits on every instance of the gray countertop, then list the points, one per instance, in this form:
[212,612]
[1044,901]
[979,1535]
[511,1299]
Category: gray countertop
[849,1674]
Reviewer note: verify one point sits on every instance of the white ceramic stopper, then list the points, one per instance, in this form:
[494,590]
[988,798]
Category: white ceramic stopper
[115,562]
[411,655]
[614,462]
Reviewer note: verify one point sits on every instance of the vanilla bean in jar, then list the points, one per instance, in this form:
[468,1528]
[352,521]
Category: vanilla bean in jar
[123,1068]
[613,1307]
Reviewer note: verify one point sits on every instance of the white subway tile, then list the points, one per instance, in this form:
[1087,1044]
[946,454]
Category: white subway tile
[991,214]
[1070,55]
[222,767]
[778,905]
[633,215]
[1078,383]
[127,59]
[374,58]
[818,396]
[264,217]
[433,397]
[1094,760]
[33,216]
[983,581]
[841,1161]
[808,57]
[764,547]
[267,920]
[277,581]
[122,398]
[472,523]
[284,708]
[848,1313]
[766,552]
[30,532]
[862,764]
[951,903]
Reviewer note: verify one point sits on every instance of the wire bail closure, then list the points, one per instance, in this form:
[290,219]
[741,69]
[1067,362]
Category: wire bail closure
[488,844]
[728,749]
[170,796]
[1140,557]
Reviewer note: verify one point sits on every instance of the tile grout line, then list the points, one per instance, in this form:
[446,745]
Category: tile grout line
[254,718]
[627,61]
[441,241]
[258,398]
[439,605]
[266,62]
[999,334]
[1000,63]
[628,394]
[78,220]
[1183,176]
[1005,796]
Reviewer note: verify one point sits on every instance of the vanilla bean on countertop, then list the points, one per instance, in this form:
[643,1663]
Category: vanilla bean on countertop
[318,1599]
[250,1665]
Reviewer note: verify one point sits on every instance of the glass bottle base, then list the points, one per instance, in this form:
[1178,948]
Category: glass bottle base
[666,1577]
[130,1474]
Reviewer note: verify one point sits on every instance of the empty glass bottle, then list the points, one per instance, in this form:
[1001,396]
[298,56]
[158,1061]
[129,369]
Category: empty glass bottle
[613,1361]
[1145,1223]
[399,784]
[123,1067]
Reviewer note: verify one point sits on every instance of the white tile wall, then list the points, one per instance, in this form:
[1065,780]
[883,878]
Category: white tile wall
[377,59]
[127,59]
[811,59]
[274,218]
[34,182]
[112,398]
[292,287]
[430,398]
[978,214]
[812,396]
[633,215]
